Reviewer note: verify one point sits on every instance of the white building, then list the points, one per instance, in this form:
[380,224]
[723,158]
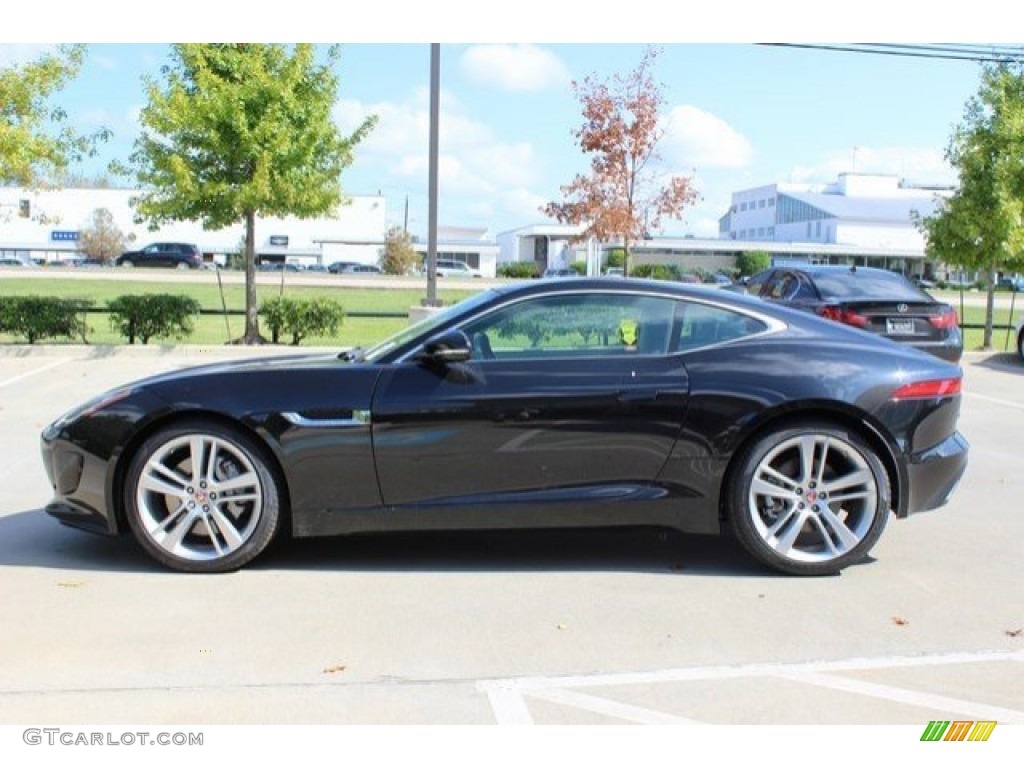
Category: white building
[470,245]
[44,226]
[859,210]
[544,245]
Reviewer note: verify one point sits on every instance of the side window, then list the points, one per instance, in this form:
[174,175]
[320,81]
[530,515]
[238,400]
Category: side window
[755,285]
[700,325]
[783,287]
[575,325]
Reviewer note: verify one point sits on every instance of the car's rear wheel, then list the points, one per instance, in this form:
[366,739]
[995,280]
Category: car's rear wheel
[809,500]
[128,263]
[181,265]
[202,497]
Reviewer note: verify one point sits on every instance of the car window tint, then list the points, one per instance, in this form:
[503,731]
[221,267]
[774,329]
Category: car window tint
[700,325]
[887,286]
[576,325]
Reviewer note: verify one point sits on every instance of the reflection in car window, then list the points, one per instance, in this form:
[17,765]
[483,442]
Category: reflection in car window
[844,284]
[406,335]
[701,325]
[575,325]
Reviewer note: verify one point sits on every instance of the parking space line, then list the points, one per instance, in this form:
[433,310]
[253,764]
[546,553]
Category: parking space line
[507,704]
[1010,403]
[611,708]
[27,374]
[508,696]
[727,672]
[904,696]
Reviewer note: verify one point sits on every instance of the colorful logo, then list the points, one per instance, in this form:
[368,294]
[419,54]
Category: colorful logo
[958,730]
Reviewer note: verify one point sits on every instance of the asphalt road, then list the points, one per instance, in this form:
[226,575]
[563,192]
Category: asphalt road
[545,628]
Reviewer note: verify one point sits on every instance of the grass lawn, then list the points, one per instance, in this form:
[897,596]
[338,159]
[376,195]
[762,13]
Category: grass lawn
[355,331]
[210,329]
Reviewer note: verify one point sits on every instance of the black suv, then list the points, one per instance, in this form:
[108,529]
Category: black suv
[179,255]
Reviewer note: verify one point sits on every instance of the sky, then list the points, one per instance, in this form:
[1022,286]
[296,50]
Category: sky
[736,114]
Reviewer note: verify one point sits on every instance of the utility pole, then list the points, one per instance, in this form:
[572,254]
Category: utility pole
[435,110]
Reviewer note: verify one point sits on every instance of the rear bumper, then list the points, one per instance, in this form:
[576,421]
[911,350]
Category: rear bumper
[934,474]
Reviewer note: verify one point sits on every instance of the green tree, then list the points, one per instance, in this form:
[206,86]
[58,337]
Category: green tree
[623,196]
[236,131]
[752,262]
[37,146]
[398,257]
[981,226]
[101,238]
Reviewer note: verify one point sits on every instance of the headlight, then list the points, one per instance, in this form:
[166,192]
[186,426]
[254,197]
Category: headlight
[87,409]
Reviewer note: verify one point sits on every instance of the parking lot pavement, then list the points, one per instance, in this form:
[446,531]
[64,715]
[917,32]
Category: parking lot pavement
[589,627]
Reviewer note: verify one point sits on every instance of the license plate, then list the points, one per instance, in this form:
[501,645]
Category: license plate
[899,326]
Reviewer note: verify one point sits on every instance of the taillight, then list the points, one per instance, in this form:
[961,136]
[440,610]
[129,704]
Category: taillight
[926,390]
[946,320]
[844,316]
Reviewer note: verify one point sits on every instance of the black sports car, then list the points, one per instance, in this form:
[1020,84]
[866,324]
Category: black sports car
[558,403]
[875,300]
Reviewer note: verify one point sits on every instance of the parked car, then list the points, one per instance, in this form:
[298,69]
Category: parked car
[556,272]
[452,268]
[875,300]
[362,269]
[1011,283]
[539,404]
[278,266]
[339,266]
[923,282]
[177,255]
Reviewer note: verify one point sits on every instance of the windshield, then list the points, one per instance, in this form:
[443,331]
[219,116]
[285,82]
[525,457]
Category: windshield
[422,328]
[881,286]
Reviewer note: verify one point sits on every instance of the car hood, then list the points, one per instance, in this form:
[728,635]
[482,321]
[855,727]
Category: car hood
[247,365]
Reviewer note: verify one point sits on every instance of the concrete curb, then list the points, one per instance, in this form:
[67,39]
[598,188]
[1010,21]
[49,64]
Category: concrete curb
[198,352]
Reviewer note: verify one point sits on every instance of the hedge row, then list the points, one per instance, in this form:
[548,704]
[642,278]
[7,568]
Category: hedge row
[43,317]
[156,316]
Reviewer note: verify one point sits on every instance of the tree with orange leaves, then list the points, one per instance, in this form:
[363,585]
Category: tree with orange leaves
[624,194]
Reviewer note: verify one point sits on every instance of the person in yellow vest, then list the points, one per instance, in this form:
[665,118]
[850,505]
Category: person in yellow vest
[629,332]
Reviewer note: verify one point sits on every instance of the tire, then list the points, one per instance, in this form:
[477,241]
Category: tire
[213,520]
[127,263]
[182,265]
[809,500]
[1020,344]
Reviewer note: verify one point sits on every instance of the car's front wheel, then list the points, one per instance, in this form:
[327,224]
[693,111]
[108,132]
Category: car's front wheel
[202,497]
[809,500]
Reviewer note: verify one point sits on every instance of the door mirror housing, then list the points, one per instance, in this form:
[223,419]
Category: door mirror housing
[451,346]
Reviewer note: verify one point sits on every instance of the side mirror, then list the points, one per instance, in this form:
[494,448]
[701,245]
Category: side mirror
[447,347]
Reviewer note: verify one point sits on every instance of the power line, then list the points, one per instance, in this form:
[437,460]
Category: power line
[981,54]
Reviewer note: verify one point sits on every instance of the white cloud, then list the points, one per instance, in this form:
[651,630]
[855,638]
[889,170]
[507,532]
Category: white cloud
[922,165]
[697,139]
[514,67]
[472,159]
[22,53]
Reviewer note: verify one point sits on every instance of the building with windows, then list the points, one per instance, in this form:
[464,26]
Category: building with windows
[857,210]
[44,225]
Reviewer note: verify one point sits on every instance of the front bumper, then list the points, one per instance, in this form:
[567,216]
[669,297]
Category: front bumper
[79,484]
[934,474]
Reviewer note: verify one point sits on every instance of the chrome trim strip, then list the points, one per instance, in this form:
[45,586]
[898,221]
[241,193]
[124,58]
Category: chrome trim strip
[359,419]
[773,325]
